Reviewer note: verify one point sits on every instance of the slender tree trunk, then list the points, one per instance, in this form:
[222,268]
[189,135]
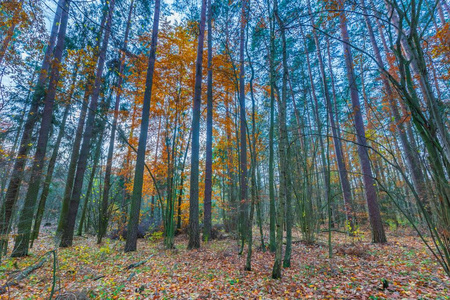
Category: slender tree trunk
[284,152]
[272,209]
[25,143]
[412,159]
[73,163]
[96,158]
[180,195]
[345,184]
[52,163]
[315,106]
[230,165]
[253,157]
[209,137]
[68,230]
[284,194]
[133,220]
[21,245]
[243,207]
[105,200]
[378,235]
[78,138]
[248,263]
[259,210]
[194,230]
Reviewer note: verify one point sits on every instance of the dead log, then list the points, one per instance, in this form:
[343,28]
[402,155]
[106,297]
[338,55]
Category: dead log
[22,275]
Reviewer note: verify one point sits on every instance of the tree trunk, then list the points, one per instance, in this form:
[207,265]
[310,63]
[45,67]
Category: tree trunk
[230,164]
[68,230]
[182,175]
[209,125]
[133,220]
[412,159]
[194,230]
[95,159]
[272,209]
[105,200]
[78,138]
[343,176]
[52,163]
[283,152]
[21,245]
[378,235]
[25,143]
[253,158]
[243,207]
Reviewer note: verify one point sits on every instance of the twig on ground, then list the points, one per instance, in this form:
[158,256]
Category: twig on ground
[139,263]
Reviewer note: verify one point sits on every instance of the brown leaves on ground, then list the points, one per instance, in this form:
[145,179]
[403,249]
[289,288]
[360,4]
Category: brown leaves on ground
[398,270]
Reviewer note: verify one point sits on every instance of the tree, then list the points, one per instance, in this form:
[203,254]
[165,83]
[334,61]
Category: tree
[69,227]
[243,207]
[209,135]
[103,224]
[25,143]
[133,219]
[283,153]
[194,230]
[343,175]
[26,217]
[378,235]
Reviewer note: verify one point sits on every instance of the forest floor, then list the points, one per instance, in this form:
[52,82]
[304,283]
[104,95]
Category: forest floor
[216,271]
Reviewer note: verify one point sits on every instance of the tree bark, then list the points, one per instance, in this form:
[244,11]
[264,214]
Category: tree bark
[68,230]
[343,176]
[378,235]
[78,138]
[133,220]
[412,159]
[209,136]
[272,208]
[243,207]
[52,163]
[194,230]
[21,245]
[103,221]
[95,159]
[283,152]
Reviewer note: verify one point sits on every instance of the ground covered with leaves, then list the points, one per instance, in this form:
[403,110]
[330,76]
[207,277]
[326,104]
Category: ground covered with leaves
[400,269]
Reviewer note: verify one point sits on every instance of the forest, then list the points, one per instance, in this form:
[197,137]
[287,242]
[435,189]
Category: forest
[224,149]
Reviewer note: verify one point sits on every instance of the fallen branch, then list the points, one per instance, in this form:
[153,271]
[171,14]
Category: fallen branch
[131,276]
[139,263]
[22,275]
